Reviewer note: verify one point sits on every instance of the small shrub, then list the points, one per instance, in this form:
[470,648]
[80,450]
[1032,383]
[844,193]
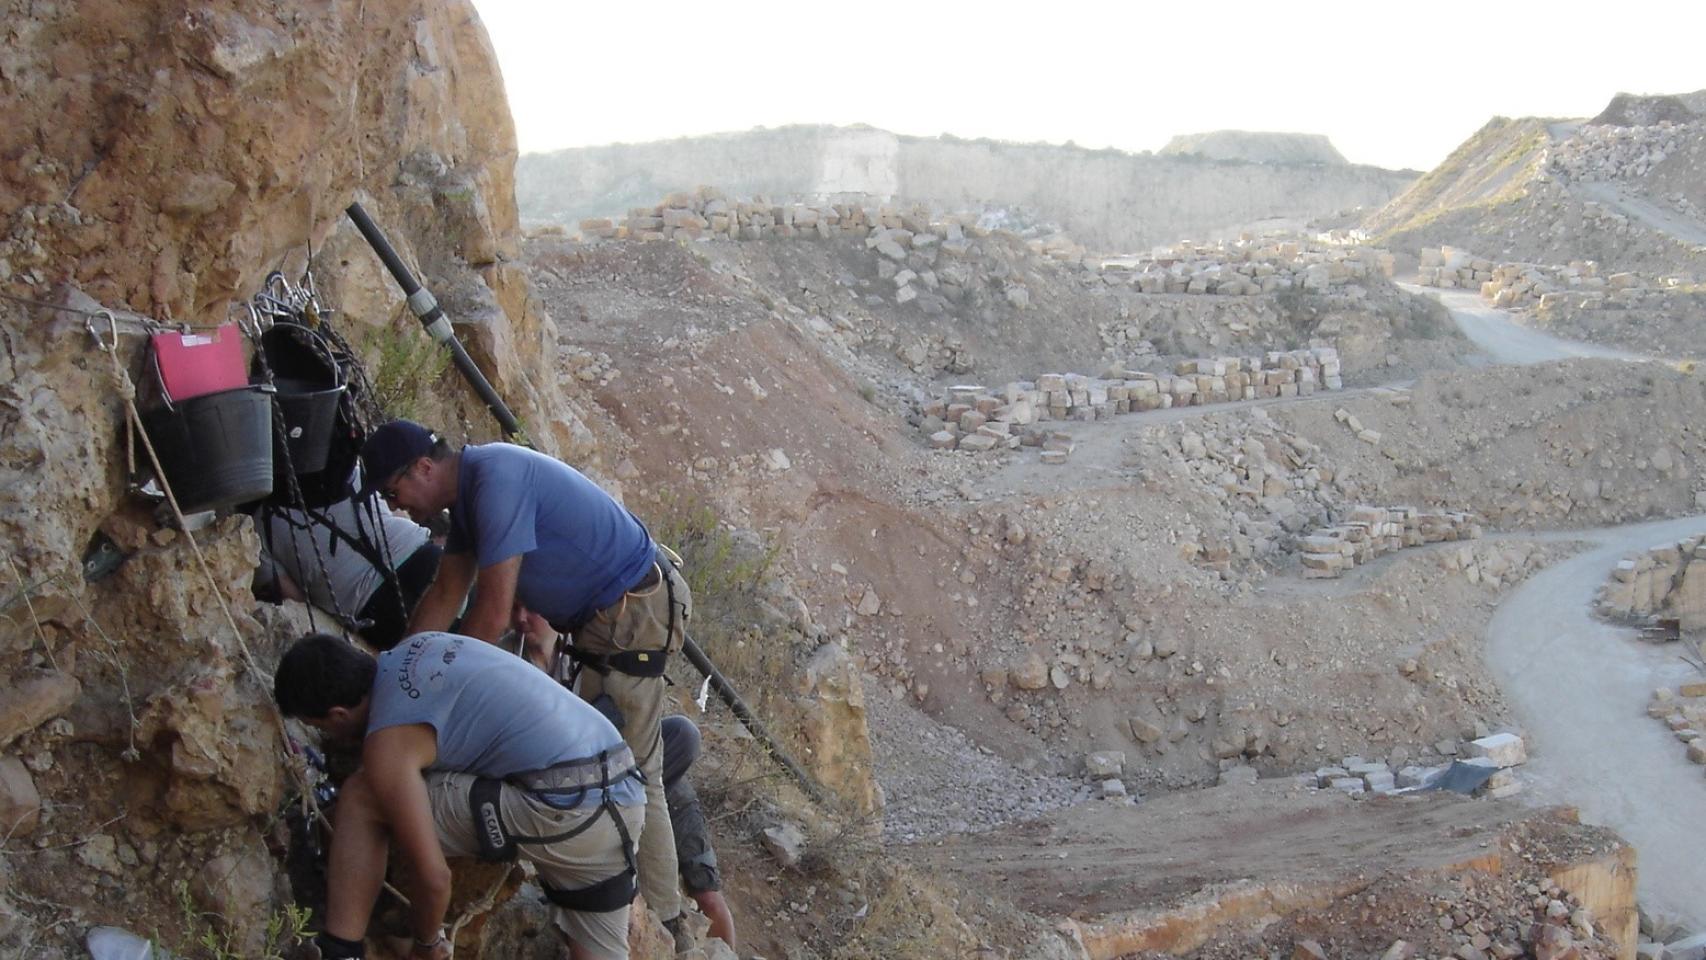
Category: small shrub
[407,367]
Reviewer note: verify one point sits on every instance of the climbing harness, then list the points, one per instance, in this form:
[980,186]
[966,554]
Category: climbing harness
[497,843]
[634,663]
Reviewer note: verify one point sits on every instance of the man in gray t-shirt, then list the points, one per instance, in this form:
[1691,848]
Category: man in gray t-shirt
[442,718]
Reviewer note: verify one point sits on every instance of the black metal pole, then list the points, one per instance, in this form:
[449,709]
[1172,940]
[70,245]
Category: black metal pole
[432,317]
[726,693]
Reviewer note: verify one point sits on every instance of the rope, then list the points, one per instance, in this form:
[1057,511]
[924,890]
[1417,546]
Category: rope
[127,393]
[147,324]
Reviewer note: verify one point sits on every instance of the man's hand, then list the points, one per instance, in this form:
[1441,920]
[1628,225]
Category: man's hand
[494,596]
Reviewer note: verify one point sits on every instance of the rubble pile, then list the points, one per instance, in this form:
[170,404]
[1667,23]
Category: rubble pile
[1251,266]
[1500,752]
[1375,531]
[972,418]
[1684,712]
[1668,580]
[1604,152]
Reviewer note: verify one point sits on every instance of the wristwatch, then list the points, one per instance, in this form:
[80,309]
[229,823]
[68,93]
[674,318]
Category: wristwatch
[425,945]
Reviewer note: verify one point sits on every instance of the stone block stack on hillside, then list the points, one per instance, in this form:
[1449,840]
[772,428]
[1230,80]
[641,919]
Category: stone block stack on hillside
[1683,711]
[1251,266]
[708,214]
[971,417]
[1668,580]
[1375,531]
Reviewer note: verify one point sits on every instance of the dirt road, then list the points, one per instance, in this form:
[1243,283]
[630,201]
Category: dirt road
[1504,340]
[1580,688]
[1668,222]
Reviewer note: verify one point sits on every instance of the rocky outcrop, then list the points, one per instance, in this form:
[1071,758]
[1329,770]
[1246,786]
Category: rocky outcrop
[1108,199]
[160,158]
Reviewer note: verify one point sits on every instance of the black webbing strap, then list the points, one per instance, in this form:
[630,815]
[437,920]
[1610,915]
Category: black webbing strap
[485,801]
[612,893]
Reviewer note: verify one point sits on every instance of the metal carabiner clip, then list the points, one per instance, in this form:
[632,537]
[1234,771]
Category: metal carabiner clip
[112,328]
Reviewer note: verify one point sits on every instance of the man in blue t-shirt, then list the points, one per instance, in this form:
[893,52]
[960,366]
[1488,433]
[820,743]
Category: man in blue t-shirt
[528,528]
[467,750]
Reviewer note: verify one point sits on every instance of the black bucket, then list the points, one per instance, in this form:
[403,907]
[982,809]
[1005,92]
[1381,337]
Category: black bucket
[310,410]
[216,449]
[310,383]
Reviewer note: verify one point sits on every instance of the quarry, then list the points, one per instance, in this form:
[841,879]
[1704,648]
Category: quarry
[1229,551]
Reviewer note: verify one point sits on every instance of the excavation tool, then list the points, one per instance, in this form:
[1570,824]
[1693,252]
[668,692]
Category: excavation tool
[432,316]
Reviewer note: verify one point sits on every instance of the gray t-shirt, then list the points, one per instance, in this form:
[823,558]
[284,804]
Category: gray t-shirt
[495,714]
[350,576]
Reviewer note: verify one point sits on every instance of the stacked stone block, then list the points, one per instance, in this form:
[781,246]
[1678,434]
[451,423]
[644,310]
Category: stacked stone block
[1372,532]
[1666,580]
[1250,266]
[1683,710]
[992,420]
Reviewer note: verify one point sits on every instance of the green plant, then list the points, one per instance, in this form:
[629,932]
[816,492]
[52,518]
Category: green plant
[407,367]
[208,941]
[732,622]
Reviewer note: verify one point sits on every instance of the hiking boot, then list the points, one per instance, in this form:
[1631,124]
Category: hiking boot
[679,930]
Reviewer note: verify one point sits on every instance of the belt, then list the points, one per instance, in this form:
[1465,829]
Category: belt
[649,580]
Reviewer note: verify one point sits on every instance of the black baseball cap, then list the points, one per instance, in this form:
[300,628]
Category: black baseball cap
[389,448]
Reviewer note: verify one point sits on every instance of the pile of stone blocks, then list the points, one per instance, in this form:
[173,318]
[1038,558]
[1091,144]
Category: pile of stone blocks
[1666,580]
[1517,286]
[707,213]
[1372,532]
[1451,268]
[1356,776]
[1684,712]
[1250,266]
[992,420]
[1501,752]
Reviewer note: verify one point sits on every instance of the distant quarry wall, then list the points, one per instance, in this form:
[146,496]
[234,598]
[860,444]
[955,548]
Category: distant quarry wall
[1107,199]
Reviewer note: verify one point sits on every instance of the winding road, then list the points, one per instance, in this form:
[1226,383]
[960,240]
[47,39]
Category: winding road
[1580,689]
[1504,340]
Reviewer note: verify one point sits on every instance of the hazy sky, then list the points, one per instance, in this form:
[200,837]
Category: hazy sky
[1393,84]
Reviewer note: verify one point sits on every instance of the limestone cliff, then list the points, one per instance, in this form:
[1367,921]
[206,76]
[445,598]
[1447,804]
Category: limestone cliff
[1108,199]
[161,157]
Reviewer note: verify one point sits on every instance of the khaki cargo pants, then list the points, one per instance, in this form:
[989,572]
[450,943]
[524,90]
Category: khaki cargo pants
[591,856]
[640,621]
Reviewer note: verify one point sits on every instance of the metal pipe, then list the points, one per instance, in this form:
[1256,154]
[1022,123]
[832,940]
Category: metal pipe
[432,317]
[726,692]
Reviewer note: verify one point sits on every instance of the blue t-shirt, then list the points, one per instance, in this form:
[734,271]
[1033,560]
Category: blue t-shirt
[579,548]
[495,714]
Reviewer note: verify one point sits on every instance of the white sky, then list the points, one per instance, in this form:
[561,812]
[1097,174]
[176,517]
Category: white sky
[1393,84]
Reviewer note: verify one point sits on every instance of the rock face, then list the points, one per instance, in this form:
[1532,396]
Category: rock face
[160,158]
[1105,198]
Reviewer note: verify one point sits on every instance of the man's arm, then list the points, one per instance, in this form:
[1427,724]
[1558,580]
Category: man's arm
[443,599]
[494,597]
[394,759]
